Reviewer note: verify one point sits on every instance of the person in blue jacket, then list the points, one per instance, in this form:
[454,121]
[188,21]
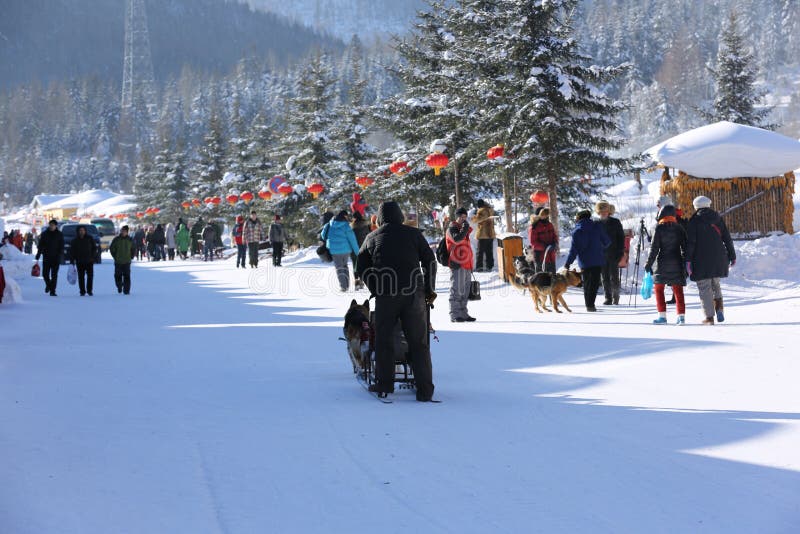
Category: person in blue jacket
[589,242]
[341,241]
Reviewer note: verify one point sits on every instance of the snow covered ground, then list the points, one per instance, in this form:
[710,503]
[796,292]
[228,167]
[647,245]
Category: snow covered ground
[220,400]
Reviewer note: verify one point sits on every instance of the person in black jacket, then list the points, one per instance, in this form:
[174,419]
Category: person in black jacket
[159,239]
[51,249]
[666,262]
[614,252]
[361,229]
[82,252]
[399,268]
[709,252]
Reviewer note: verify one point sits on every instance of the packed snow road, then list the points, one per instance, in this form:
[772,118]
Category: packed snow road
[220,400]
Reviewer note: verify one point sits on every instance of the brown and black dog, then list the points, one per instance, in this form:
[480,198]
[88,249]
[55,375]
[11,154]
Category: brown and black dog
[554,285]
[358,333]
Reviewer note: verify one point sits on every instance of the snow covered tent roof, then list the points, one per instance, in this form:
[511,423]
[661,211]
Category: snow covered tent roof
[44,200]
[729,150]
[111,206]
[82,200]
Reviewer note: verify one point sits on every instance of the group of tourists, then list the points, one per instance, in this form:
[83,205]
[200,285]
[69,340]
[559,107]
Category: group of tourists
[24,242]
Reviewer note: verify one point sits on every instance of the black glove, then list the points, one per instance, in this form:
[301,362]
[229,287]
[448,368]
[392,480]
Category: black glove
[430,297]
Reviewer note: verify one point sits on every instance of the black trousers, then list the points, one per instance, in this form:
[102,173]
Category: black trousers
[85,276]
[50,274]
[611,280]
[277,253]
[591,284]
[122,277]
[410,311]
[241,254]
[252,249]
[485,255]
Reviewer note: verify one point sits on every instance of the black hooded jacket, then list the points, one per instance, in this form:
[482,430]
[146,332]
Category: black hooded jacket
[666,258]
[396,259]
[82,250]
[709,246]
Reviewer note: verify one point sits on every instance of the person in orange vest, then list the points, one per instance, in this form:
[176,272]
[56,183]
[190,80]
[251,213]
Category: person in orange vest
[461,263]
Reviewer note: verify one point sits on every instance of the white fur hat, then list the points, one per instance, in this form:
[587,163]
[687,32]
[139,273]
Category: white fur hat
[701,202]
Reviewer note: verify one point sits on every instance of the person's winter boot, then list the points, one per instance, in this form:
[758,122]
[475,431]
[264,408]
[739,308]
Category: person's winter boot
[681,320]
[718,309]
[662,318]
[709,321]
[607,302]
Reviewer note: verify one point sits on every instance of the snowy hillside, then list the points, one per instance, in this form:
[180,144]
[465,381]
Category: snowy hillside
[231,407]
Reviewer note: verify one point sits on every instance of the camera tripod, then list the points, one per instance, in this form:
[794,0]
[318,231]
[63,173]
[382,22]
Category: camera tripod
[643,233]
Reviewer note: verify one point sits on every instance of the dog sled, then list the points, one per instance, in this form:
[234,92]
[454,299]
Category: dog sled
[359,334]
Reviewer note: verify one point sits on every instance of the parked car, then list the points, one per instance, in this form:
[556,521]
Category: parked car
[107,231]
[70,231]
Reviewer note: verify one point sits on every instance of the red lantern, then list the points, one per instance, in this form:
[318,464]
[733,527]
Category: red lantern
[232,199]
[495,152]
[285,189]
[315,189]
[186,204]
[364,181]
[540,197]
[399,168]
[247,196]
[216,200]
[139,214]
[437,161]
[102,215]
[264,194]
[207,200]
[196,201]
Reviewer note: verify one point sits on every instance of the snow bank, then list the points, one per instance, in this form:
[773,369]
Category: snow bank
[15,265]
[772,261]
[728,150]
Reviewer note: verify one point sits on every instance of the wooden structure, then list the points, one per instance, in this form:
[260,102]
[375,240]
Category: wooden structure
[507,248]
[752,207]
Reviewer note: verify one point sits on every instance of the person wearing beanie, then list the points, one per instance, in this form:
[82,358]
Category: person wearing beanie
[709,254]
[485,235]
[361,229]
[589,242]
[122,250]
[51,250]
[614,252]
[237,238]
[666,262]
[252,235]
[341,241]
[543,241]
[277,236]
[461,264]
[399,268]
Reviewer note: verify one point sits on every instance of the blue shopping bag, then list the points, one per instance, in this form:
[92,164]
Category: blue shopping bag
[647,286]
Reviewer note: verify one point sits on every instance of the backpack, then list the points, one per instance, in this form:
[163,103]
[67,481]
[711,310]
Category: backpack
[442,254]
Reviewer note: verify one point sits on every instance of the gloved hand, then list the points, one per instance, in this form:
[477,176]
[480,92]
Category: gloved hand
[430,297]
[733,262]
[689,268]
[648,269]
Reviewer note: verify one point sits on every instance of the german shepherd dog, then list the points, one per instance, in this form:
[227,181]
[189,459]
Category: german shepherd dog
[544,284]
[358,333]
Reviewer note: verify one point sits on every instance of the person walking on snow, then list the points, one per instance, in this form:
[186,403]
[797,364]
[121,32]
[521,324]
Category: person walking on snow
[484,219]
[361,229]
[209,235]
[614,252]
[122,250]
[182,240]
[709,254]
[358,205]
[51,248]
[277,235]
[544,241]
[82,252]
[341,241]
[399,268]
[169,235]
[237,238]
[666,262]
[252,235]
[461,263]
[589,242]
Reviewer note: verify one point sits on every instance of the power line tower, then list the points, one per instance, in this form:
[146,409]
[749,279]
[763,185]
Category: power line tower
[138,83]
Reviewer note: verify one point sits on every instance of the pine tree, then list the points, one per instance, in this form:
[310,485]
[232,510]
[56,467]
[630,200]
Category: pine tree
[540,96]
[737,97]
[210,165]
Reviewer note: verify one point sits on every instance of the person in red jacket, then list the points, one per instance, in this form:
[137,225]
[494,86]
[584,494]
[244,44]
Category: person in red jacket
[461,264]
[544,241]
[359,205]
[237,234]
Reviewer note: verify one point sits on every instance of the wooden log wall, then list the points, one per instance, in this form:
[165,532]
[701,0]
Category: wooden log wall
[771,212]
